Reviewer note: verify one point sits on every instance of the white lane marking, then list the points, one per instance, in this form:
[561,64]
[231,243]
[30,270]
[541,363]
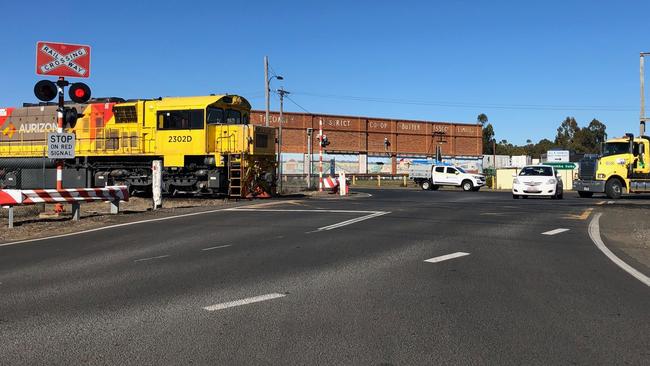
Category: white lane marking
[219,247]
[554,232]
[111,227]
[446,257]
[296,210]
[370,215]
[151,258]
[351,221]
[610,202]
[246,301]
[594,234]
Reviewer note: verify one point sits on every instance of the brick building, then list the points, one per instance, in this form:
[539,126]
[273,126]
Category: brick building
[358,144]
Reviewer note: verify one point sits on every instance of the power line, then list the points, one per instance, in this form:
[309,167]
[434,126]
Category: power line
[472,105]
[299,106]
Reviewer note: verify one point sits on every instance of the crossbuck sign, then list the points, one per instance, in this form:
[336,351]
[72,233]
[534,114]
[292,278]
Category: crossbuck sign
[62,59]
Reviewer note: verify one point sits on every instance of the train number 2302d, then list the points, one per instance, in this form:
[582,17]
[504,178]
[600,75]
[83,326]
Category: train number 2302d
[180,139]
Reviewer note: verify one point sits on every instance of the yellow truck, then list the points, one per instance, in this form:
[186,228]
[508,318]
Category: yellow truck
[621,167]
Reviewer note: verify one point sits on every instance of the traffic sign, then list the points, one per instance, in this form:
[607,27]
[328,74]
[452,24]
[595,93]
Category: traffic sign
[561,166]
[60,145]
[62,59]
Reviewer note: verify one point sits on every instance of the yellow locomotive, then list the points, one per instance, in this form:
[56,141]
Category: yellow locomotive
[206,144]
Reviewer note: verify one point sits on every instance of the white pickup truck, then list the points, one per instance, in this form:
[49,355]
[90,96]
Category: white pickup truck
[431,177]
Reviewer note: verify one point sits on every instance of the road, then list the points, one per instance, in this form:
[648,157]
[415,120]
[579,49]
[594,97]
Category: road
[330,282]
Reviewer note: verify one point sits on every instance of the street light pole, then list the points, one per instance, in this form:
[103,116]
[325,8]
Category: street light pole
[266,88]
[282,93]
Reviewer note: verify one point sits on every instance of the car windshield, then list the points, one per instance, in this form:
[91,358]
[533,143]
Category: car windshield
[461,170]
[536,170]
[615,148]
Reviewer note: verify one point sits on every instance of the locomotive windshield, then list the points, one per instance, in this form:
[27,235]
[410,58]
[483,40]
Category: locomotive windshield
[215,116]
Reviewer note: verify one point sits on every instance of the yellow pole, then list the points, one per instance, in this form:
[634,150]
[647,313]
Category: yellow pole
[404,181]
[354,180]
[378,180]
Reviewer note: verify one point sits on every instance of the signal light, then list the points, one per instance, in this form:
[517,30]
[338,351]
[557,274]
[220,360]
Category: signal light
[45,90]
[324,141]
[70,117]
[79,92]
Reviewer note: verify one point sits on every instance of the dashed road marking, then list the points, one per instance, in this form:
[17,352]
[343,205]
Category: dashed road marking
[555,232]
[218,247]
[601,203]
[446,257]
[610,202]
[351,221]
[246,301]
[369,215]
[151,258]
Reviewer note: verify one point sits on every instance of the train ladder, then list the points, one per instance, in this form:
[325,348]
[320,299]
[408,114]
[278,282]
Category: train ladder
[235,170]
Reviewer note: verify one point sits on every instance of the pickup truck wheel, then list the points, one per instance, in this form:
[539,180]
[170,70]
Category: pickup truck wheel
[467,185]
[614,189]
[425,185]
[514,196]
[585,194]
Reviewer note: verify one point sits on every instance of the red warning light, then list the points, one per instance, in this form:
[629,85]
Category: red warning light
[79,92]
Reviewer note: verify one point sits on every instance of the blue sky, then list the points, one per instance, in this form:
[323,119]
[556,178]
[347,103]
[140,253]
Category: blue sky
[526,64]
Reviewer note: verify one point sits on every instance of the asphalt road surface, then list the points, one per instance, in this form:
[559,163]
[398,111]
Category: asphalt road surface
[403,277]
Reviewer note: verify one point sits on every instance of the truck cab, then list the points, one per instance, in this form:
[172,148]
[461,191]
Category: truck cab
[622,166]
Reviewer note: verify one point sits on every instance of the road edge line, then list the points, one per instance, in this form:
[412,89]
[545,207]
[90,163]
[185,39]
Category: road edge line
[594,234]
[111,227]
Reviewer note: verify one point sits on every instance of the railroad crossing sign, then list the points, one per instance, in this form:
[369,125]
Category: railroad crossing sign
[62,59]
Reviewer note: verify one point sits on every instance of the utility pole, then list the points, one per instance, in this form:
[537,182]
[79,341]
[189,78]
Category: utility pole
[282,93]
[267,89]
[642,117]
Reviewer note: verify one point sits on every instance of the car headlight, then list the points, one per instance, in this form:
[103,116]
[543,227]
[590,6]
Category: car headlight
[515,181]
[551,181]
[479,177]
[601,176]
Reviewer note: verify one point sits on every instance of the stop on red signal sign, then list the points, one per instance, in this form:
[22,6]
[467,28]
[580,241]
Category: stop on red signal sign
[62,59]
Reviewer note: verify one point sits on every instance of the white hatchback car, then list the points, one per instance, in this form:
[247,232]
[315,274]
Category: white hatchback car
[537,180]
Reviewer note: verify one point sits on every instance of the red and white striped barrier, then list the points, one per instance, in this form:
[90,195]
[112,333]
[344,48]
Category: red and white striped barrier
[71,195]
[329,182]
[16,197]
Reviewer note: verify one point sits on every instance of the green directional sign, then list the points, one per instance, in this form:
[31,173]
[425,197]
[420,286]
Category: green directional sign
[562,166]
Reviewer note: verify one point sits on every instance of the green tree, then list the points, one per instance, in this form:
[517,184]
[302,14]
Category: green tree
[598,129]
[482,118]
[566,132]
[488,137]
